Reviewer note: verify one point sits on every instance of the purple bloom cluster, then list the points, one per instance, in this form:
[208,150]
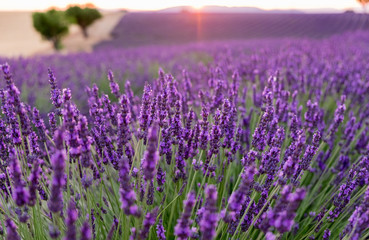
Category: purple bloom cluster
[281,216]
[183,228]
[234,144]
[127,195]
[59,180]
[209,219]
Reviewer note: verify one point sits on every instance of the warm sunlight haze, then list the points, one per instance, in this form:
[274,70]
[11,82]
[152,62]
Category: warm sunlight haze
[160,4]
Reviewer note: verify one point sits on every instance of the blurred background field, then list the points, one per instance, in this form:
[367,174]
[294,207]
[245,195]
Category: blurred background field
[171,26]
[134,44]
[137,29]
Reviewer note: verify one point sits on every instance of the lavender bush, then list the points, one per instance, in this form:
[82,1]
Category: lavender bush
[252,145]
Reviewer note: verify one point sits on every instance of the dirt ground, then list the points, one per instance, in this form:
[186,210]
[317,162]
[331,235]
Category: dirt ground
[18,37]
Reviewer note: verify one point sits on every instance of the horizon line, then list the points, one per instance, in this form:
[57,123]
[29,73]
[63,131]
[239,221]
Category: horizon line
[194,8]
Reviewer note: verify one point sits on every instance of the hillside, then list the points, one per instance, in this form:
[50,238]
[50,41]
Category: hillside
[136,29]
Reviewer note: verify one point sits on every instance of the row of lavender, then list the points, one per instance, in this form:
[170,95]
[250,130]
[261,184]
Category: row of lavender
[312,61]
[264,144]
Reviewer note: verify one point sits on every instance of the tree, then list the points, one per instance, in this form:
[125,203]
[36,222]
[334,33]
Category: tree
[52,25]
[84,16]
[363,3]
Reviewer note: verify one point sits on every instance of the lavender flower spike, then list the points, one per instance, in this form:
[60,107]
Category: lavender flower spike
[145,113]
[20,194]
[160,231]
[147,223]
[86,231]
[58,164]
[34,179]
[209,220]
[128,196]
[183,228]
[11,230]
[114,87]
[56,96]
[151,156]
[72,216]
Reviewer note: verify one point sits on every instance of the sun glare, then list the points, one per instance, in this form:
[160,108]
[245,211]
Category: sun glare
[197,6]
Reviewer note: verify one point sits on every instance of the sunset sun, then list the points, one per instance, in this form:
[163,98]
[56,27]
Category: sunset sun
[197,6]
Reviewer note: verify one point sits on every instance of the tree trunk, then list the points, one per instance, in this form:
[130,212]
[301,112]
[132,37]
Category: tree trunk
[84,31]
[56,43]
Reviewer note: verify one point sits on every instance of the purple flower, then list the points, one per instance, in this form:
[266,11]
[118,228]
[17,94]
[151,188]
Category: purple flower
[52,122]
[131,99]
[85,141]
[180,161]
[282,215]
[11,230]
[176,126]
[145,113]
[259,137]
[67,95]
[72,216]
[110,110]
[270,160]
[58,164]
[188,127]
[310,151]
[238,197]
[150,194]
[160,178]
[127,195]
[342,198]
[359,220]
[163,106]
[229,128]
[153,110]
[20,194]
[55,92]
[327,234]
[209,220]
[114,87]
[86,231]
[204,128]
[93,223]
[249,158]
[183,228]
[311,115]
[218,96]
[13,93]
[151,156]
[278,138]
[270,236]
[193,148]
[160,231]
[215,136]
[165,147]
[124,133]
[39,123]
[34,179]
[338,117]
[148,221]
[54,232]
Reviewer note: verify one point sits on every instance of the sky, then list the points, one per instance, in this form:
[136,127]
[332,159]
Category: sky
[160,4]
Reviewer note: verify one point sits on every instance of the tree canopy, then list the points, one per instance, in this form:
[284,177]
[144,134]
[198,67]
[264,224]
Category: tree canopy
[52,25]
[83,16]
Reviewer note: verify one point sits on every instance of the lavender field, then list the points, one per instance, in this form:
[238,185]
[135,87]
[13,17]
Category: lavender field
[257,139]
[137,29]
